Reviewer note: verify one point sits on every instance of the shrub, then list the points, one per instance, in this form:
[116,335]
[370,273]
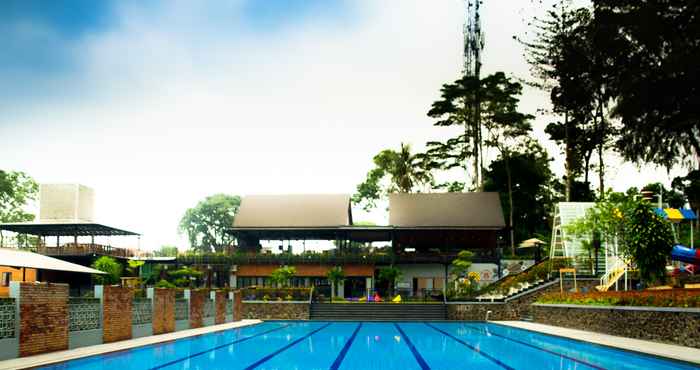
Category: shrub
[651,298]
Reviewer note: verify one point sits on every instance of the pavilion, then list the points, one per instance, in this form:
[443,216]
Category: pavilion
[425,232]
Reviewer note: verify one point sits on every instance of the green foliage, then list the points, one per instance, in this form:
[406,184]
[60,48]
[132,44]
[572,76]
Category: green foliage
[283,275]
[500,125]
[335,275]
[389,275]
[257,294]
[567,65]
[393,172]
[651,48]
[649,242]
[16,190]
[185,277]
[674,198]
[164,284]
[461,264]
[207,223]
[532,188]
[540,271]
[643,237]
[689,185]
[166,251]
[111,268]
[133,267]
[671,298]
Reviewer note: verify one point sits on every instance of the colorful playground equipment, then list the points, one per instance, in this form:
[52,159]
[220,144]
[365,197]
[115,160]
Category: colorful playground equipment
[685,254]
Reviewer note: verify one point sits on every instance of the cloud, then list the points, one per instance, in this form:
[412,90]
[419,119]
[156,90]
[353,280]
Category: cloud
[173,101]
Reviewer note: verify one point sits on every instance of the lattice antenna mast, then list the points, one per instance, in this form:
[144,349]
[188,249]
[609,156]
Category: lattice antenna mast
[473,46]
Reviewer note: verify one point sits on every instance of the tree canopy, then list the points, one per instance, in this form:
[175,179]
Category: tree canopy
[652,48]
[207,223]
[17,189]
[394,172]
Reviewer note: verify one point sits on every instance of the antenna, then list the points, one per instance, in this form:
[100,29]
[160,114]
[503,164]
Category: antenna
[473,46]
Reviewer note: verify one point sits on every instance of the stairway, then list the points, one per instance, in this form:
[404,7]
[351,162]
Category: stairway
[378,311]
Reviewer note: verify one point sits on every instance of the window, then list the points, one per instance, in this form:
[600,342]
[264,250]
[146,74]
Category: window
[5,281]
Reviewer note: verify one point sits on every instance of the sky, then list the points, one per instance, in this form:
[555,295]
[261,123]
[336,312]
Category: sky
[157,104]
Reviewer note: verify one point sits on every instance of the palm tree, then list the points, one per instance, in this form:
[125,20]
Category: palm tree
[335,275]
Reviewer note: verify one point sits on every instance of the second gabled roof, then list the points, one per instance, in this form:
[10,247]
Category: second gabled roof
[446,210]
[294,211]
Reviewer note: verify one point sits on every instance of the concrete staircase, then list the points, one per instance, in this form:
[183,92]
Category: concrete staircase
[378,311]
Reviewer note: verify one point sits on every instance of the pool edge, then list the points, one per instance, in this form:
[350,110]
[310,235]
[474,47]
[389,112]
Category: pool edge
[53,358]
[610,341]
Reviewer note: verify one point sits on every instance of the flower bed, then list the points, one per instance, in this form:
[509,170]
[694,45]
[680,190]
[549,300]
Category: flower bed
[645,298]
[540,271]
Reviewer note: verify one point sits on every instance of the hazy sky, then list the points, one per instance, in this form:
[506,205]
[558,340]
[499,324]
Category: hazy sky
[157,104]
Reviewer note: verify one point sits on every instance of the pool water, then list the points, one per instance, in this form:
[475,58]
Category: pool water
[373,345]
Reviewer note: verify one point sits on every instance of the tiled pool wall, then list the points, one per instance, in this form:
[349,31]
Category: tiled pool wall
[41,318]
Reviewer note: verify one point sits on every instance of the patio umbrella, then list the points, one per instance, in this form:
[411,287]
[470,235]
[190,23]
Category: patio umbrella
[531,243]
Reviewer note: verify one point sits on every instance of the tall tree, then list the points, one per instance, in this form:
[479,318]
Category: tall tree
[456,108]
[532,188]
[503,125]
[207,223]
[554,54]
[393,172]
[653,47]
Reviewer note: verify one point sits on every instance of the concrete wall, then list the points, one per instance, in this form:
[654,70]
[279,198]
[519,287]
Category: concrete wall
[276,310]
[83,338]
[679,326]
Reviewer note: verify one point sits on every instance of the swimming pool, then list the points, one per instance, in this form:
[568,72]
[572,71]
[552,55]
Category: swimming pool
[372,345]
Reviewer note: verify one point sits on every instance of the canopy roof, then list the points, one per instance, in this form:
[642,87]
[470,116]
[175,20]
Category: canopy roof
[64,229]
[446,211]
[18,259]
[294,211]
[676,214]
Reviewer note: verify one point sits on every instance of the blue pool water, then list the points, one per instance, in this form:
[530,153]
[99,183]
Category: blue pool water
[373,345]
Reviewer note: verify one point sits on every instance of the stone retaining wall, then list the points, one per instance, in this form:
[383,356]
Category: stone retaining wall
[662,324]
[275,310]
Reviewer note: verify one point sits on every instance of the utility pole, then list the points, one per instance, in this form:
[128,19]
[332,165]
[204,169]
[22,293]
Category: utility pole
[473,46]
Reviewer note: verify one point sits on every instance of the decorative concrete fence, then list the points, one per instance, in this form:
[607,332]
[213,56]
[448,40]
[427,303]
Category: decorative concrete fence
[84,322]
[41,317]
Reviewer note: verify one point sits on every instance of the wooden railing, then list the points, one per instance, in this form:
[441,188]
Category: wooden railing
[85,250]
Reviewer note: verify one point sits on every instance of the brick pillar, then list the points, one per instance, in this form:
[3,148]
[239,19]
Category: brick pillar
[163,309]
[220,302]
[197,298]
[237,306]
[116,312]
[43,316]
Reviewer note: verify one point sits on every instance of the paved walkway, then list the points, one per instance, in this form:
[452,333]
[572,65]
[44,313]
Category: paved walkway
[687,354]
[54,357]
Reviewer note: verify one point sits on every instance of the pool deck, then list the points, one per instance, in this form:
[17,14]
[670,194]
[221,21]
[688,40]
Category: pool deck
[71,354]
[687,354]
